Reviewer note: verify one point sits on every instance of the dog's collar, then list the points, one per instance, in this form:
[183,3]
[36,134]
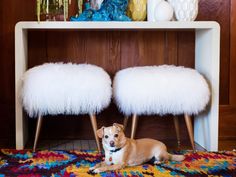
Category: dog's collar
[116,150]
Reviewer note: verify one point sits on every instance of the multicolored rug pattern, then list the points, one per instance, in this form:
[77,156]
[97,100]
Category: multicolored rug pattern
[76,163]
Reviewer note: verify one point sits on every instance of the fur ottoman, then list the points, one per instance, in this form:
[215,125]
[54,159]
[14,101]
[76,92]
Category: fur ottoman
[58,88]
[165,89]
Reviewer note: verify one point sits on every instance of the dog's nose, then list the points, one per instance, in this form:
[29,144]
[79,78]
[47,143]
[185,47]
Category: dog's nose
[112,143]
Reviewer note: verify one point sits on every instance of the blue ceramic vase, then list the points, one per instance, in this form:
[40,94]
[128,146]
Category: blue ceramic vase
[111,10]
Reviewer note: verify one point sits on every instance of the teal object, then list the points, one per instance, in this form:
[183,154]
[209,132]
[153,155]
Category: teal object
[111,10]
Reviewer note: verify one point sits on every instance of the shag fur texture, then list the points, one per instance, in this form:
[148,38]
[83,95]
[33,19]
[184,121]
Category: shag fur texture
[57,88]
[165,89]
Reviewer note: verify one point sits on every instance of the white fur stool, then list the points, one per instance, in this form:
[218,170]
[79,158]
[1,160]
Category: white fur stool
[165,89]
[58,88]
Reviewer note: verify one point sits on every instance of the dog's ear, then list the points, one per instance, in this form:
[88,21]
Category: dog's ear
[119,126]
[100,132]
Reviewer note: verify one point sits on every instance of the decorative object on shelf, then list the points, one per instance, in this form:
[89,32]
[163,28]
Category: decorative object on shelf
[151,5]
[80,6]
[52,10]
[137,10]
[185,10]
[66,8]
[164,11]
[159,10]
[58,10]
[110,10]
[171,2]
[96,4]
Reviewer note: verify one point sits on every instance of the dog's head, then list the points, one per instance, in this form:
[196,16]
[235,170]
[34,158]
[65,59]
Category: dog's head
[113,137]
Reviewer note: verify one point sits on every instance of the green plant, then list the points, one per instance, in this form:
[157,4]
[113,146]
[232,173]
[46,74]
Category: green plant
[52,7]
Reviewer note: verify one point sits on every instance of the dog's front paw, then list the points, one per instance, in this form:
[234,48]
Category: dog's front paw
[97,170]
[91,168]
[157,162]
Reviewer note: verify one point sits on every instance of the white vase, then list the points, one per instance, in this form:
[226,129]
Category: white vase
[151,6]
[185,10]
[172,3]
[164,11]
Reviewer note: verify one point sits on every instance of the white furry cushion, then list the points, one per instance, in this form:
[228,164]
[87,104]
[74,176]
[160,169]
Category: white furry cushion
[58,88]
[160,90]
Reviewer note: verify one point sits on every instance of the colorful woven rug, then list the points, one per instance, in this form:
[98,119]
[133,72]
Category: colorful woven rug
[76,163]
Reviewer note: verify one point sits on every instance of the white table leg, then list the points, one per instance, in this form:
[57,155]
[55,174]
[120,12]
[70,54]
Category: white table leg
[207,61]
[21,52]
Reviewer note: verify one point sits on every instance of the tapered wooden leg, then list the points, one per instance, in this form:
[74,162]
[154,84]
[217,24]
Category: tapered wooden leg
[126,119]
[134,125]
[190,129]
[93,120]
[39,124]
[176,122]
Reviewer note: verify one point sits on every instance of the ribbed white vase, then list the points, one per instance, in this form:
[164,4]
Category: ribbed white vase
[185,10]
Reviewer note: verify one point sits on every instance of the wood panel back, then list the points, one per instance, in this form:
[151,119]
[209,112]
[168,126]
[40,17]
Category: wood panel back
[219,10]
[232,87]
[11,11]
[110,50]
[228,122]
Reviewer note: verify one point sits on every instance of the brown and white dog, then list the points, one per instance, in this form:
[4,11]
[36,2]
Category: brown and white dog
[121,151]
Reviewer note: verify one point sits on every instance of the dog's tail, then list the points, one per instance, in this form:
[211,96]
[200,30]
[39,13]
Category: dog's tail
[178,158]
[173,157]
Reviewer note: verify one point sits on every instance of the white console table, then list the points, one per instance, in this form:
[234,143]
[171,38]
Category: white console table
[207,55]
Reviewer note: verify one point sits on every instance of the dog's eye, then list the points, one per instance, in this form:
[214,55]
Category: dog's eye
[106,136]
[116,135]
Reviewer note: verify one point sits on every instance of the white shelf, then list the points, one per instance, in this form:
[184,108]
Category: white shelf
[207,59]
[119,25]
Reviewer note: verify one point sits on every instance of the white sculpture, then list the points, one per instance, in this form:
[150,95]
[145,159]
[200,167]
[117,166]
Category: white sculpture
[159,10]
[185,10]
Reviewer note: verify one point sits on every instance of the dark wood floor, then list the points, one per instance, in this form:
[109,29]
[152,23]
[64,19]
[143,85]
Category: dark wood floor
[227,145]
[66,144]
[87,144]
[91,144]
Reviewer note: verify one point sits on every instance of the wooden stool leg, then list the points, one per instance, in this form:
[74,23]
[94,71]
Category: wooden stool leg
[93,120]
[38,128]
[176,122]
[134,125]
[126,119]
[190,129]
